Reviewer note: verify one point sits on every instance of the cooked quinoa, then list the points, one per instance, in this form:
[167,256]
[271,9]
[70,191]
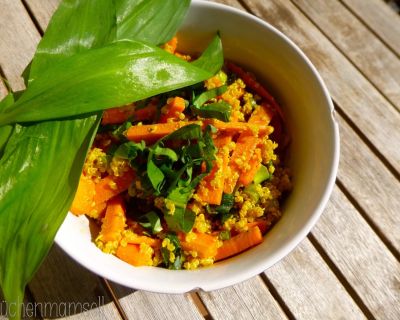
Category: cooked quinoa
[141,224]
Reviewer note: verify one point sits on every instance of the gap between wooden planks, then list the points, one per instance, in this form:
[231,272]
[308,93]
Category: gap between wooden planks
[379,18]
[368,53]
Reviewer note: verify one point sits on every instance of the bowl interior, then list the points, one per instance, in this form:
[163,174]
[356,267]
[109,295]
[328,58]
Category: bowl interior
[313,157]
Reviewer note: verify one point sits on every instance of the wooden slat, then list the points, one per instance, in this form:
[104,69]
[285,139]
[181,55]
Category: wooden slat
[303,279]
[369,182]
[147,305]
[19,38]
[42,10]
[357,252]
[380,18]
[348,87]
[247,300]
[379,64]
[70,289]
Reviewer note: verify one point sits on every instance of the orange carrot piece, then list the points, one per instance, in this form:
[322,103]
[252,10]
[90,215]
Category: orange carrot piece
[262,224]
[84,197]
[172,109]
[122,114]
[204,244]
[244,150]
[155,243]
[153,132]
[211,188]
[247,176]
[171,45]
[261,115]
[114,221]
[111,186]
[132,255]
[98,210]
[239,243]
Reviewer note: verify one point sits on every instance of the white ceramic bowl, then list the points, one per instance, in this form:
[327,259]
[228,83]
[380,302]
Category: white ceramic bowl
[314,154]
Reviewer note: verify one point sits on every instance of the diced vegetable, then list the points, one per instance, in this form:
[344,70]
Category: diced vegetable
[204,244]
[84,198]
[114,221]
[247,175]
[262,224]
[132,255]
[239,243]
[111,186]
[172,109]
[244,150]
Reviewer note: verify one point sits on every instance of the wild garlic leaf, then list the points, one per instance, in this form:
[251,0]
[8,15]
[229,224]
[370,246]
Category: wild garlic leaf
[154,21]
[151,221]
[116,74]
[91,24]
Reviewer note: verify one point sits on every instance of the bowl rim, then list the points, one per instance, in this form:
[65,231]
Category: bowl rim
[261,266]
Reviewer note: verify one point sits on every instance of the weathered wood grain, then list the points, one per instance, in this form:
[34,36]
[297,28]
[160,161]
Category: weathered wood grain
[247,300]
[62,288]
[42,10]
[362,258]
[18,40]
[373,186]
[309,288]
[148,305]
[379,64]
[380,18]
[368,109]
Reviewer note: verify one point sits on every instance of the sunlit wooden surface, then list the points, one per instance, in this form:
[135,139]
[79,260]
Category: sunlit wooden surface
[348,266]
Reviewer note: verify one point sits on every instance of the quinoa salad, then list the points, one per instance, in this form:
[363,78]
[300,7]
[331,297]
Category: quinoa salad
[187,178]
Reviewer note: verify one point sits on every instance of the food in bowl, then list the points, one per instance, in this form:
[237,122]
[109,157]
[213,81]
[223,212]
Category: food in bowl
[189,177]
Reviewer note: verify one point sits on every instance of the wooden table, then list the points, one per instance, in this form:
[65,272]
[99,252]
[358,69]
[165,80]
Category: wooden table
[348,266]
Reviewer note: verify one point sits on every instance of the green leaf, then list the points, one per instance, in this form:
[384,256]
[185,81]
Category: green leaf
[182,219]
[189,132]
[166,254]
[165,152]
[219,110]
[212,58]
[151,221]
[154,21]
[76,26]
[129,150]
[227,202]
[208,95]
[32,165]
[155,175]
[98,79]
[5,131]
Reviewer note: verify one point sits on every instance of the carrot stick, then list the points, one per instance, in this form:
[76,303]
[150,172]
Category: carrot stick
[204,244]
[262,224]
[247,176]
[239,243]
[114,220]
[211,188]
[153,132]
[244,150]
[132,255]
[172,109]
[110,186]
[146,113]
[136,239]
[84,197]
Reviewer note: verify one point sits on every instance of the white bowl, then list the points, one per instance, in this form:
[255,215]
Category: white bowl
[314,155]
